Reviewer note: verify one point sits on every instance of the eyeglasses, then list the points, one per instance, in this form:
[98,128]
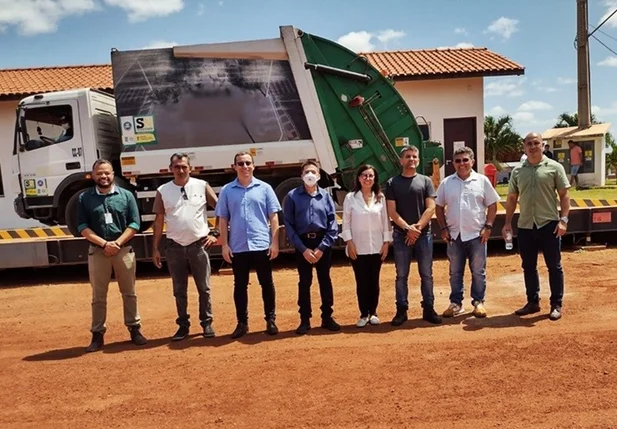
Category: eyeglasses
[244,163]
[458,161]
[367,176]
[183,192]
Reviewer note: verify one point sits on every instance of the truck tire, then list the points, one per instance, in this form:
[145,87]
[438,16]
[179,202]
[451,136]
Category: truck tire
[285,186]
[70,213]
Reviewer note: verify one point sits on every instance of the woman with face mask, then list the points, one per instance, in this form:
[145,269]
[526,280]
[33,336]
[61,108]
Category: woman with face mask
[367,231]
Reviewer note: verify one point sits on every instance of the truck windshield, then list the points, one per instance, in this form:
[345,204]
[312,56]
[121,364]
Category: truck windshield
[46,126]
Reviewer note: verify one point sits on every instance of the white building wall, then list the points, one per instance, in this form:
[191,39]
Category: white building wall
[440,99]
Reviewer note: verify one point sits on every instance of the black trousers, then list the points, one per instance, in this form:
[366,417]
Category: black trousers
[305,272]
[241,265]
[366,269]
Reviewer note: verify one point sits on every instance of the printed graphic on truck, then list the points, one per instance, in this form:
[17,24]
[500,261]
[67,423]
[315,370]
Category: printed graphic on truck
[166,102]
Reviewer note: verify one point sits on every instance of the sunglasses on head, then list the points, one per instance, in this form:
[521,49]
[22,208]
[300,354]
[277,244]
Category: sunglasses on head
[244,163]
[458,161]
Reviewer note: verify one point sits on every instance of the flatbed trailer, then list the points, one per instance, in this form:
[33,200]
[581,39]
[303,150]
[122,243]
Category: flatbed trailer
[54,246]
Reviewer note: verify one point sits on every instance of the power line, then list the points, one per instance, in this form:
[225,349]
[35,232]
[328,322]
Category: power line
[607,35]
[603,44]
[602,23]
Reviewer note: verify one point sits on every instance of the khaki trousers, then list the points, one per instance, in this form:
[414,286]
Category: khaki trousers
[99,269]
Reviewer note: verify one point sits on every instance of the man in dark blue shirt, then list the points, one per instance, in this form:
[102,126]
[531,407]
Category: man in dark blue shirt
[310,224]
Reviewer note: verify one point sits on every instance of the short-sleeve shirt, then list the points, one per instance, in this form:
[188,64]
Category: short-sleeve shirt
[248,211]
[410,194]
[536,186]
[465,203]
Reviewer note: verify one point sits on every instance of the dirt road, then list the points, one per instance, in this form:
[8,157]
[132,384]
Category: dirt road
[500,372]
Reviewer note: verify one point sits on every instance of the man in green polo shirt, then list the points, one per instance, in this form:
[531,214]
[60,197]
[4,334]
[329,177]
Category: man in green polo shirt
[108,218]
[535,184]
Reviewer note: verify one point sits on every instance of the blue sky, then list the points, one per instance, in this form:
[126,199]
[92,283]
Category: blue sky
[539,34]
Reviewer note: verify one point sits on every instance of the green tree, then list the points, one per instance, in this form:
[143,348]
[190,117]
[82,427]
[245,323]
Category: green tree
[611,158]
[565,120]
[501,142]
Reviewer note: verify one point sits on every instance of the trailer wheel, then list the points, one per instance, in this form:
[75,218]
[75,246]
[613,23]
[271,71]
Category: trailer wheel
[285,186]
[70,213]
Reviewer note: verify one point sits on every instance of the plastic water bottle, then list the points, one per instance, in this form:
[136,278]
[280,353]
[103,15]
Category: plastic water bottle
[509,245]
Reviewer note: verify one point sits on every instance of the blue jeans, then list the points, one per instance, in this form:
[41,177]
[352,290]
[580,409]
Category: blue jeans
[530,243]
[458,253]
[422,249]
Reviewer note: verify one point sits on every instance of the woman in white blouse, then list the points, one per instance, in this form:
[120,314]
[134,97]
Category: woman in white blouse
[367,231]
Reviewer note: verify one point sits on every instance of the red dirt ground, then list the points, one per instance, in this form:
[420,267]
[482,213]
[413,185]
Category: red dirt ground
[500,372]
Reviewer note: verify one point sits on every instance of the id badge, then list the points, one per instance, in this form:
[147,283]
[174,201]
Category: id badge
[108,219]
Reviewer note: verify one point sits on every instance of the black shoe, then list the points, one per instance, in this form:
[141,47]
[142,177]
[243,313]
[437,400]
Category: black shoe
[181,333]
[431,316]
[271,328]
[330,324]
[96,343]
[305,326]
[529,308]
[208,331]
[240,331]
[555,312]
[400,317]
[136,337]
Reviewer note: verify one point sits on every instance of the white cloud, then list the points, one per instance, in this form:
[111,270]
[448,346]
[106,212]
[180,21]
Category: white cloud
[534,105]
[460,30]
[141,10]
[524,117]
[461,45]
[610,5]
[609,61]
[497,111]
[201,9]
[565,80]
[503,27]
[548,89]
[357,41]
[364,41]
[603,112]
[220,3]
[157,44]
[32,17]
[509,87]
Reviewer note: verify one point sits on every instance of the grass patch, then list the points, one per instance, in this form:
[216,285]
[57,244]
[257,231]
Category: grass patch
[608,192]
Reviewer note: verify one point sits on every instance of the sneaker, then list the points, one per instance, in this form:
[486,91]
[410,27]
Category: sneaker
[453,310]
[208,331]
[96,343]
[400,317]
[555,312]
[374,320]
[529,308]
[136,336]
[271,328]
[362,322]
[181,333]
[431,316]
[240,331]
[479,311]
[331,325]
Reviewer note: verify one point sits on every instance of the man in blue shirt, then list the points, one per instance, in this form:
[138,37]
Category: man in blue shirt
[245,207]
[310,224]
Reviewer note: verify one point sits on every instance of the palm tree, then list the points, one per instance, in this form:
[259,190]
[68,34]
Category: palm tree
[500,140]
[566,120]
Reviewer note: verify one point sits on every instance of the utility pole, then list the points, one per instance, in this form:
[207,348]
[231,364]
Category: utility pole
[582,38]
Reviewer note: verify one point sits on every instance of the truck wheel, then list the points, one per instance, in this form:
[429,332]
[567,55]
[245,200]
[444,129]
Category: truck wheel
[70,213]
[285,186]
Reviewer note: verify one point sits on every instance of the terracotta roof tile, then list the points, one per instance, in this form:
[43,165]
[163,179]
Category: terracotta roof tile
[21,82]
[454,62]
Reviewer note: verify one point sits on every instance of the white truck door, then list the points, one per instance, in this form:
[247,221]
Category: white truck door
[51,146]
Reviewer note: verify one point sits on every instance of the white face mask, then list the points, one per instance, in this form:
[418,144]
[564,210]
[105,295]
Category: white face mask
[310,179]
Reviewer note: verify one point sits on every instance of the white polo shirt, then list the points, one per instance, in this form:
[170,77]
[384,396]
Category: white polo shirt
[185,212]
[465,203]
[367,225]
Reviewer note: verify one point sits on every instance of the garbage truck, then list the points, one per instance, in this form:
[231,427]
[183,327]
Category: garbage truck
[284,100]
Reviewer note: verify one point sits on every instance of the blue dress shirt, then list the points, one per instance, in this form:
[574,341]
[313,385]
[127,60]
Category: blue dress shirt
[248,211]
[304,213]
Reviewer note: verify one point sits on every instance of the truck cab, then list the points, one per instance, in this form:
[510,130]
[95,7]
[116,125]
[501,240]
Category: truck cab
[57,138]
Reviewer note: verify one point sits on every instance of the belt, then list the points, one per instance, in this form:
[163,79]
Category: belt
[310,235]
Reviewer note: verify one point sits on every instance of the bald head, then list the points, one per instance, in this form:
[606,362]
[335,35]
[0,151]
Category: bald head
[533,147]
[533,136]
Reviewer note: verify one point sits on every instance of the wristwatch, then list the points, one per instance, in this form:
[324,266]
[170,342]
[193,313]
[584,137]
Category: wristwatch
[214,233]
[564,219]
[488,226]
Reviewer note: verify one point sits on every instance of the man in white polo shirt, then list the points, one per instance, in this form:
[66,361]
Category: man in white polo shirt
[182,205]
[466,206]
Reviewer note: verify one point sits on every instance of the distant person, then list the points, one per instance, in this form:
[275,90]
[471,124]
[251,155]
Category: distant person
[310,224]
[182,204]
[410,199]
[108,218]
[576,162]
[367,232]
[249,226]
[67,130]
[535,185]
[547,151]
[466,207]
